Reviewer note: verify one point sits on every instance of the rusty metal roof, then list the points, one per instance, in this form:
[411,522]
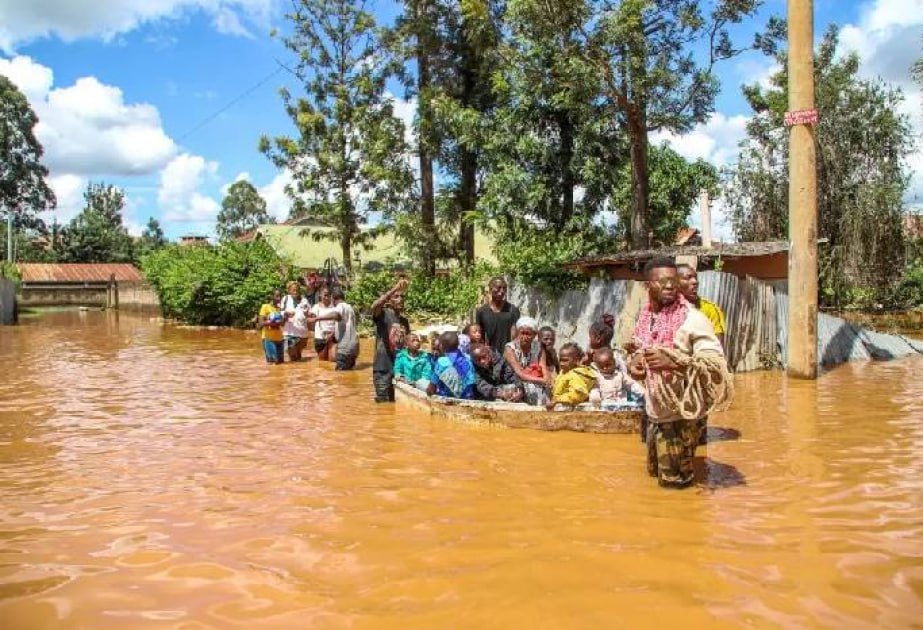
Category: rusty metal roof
[79,272]
[725,250]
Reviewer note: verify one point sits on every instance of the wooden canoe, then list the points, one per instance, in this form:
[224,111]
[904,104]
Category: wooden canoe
[519,416]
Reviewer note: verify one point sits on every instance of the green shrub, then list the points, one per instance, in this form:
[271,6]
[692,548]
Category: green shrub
[10,271]
[450,297]
[219,286]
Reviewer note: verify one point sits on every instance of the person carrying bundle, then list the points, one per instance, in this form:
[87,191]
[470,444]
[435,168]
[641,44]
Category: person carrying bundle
[679,358]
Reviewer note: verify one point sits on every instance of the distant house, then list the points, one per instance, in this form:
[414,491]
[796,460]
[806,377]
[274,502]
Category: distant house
[56,284]
[193,239]
[913,226]
[309,246]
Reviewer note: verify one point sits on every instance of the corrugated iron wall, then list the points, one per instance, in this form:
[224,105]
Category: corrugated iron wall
[756,313]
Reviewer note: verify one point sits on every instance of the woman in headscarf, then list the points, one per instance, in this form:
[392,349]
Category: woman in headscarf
[527,358]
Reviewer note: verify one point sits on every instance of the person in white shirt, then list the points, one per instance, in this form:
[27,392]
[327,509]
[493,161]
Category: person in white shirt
[295,330]
[324,326]
[347,333]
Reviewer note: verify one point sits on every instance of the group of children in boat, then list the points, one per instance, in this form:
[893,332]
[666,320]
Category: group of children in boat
[530,369]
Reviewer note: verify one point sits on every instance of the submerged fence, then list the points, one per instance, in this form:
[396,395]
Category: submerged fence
[756,312]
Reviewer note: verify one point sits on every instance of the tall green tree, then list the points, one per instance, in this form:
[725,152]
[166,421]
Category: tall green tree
[23,189]
[347,161]
[656,58]
[97,234]
[152,238]
[418,43]
[549,140]
[242,210]
[862,147]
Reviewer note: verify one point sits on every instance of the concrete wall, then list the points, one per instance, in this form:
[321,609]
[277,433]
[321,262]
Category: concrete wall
[131,295]
[7,302]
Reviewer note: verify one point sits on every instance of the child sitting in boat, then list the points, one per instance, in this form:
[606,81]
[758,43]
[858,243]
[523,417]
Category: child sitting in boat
[575,381]
[601,333]
[494,378]
[548,337]
[453,372]
[614,388]
[470,336]
[412,365]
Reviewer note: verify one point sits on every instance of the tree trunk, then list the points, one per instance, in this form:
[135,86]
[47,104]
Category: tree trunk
[427,193]
[637,136]
[467,204]
[567,171]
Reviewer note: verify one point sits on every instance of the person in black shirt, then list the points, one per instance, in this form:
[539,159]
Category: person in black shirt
[387,311]
[495,379]
[498,317]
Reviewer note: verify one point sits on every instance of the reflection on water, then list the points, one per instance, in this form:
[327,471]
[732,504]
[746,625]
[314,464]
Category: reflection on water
[164,477]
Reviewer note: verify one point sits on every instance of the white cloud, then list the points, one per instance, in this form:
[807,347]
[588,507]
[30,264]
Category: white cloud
[228,22]
[715,141]
[23,21]
[179,195]
[278,203]
[406,110]
[68,190]
[87,128]
[887,40]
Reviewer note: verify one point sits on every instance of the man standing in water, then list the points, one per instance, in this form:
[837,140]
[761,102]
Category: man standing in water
[498,317]
[677,355]
[387,311]
[689,287]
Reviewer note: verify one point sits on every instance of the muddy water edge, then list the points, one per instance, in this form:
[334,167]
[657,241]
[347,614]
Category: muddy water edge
[155,476]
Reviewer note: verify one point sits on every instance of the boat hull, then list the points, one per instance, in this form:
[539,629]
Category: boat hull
[518,416]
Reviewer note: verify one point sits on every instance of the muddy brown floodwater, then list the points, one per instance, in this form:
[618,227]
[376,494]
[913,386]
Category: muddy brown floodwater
[161,477]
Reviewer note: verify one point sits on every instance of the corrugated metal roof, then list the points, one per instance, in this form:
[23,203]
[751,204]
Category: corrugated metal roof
[726,250]
[79,272]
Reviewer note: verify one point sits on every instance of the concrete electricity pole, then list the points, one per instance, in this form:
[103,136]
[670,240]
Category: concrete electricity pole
[802,193]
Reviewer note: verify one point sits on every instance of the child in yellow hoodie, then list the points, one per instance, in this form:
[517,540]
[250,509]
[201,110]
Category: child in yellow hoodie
[575,381]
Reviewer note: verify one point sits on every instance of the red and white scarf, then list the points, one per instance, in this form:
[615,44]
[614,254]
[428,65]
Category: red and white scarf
[659,329]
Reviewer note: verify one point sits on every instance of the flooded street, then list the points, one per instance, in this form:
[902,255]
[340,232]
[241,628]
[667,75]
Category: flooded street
[162,477]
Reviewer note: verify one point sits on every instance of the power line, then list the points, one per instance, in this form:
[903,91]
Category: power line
[232,102]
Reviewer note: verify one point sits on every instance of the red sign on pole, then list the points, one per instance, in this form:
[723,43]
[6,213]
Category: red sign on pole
[801,117]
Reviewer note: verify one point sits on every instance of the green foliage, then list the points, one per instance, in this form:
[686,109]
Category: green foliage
[862,147]
[537,258]
[9,271]
[242,210]
[97,235]
[655,59]
[221,286]
[674,186]
[344,160]
[152,238]
[443,297]
[23,189]
[909,291]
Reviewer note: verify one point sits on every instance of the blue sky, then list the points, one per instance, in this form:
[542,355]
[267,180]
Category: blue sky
[150,94]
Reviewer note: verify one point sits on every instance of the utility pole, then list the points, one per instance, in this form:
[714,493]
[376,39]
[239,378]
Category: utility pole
[9,237]
[802,193]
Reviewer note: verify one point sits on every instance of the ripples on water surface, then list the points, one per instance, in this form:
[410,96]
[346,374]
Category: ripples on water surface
[162,477]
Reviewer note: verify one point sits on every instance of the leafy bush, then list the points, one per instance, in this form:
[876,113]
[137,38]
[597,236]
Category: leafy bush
[909,292]
[10,271]
[537,259]
[444,297]
[221,286]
